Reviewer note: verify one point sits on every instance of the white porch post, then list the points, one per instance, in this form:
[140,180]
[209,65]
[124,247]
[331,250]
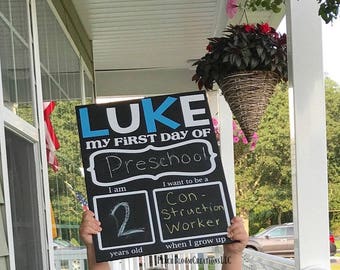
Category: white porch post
[226,146]
[308,135]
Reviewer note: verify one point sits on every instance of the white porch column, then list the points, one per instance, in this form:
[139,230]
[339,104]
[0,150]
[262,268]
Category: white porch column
[225,119]
[308,135]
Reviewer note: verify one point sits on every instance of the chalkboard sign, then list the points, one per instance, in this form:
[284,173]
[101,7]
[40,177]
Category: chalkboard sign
[153,175]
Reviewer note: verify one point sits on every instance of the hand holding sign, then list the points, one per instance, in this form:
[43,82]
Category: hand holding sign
[232,252]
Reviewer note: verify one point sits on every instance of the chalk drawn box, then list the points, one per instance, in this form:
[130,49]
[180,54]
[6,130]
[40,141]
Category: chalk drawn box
[124,214]
[191,211]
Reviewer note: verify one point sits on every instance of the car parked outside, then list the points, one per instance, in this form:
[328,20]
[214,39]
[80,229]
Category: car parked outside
[279,240]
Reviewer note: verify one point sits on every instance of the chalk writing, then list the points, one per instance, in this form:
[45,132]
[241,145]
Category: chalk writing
[125,219]
[195,210]
[125,165]
[122,231]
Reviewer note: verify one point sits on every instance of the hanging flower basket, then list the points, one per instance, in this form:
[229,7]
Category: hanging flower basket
[246,62]
[248,94]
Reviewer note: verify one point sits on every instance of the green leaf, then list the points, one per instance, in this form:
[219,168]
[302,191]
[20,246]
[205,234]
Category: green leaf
[263,56]
[259,50]
[253,63]
[214,74]
[207,69]
[264,3]
[216,55]
[238,61]
[246,60]
[226,59]
[276,9]
[232,59]
[267,61]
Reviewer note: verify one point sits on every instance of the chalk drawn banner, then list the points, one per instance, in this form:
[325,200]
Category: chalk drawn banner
[192,211]
[119,166]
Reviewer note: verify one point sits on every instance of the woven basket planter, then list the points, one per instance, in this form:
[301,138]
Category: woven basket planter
[248,94]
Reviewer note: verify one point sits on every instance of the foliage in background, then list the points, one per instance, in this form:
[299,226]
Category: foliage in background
[273,5]
[67,209]
[238,136]
[333,154]
[263,177]
[328,10]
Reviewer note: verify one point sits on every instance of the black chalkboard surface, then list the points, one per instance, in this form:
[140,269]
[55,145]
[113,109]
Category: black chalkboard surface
[153,175]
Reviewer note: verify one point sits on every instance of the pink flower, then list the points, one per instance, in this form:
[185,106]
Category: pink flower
[216,127]
[234,125]
[231,8]
[239,135]
[252,146]
[255,137]
[214,122]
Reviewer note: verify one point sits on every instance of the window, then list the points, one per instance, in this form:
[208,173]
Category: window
[24,202]
[60,65]
[290,231]
[15,59]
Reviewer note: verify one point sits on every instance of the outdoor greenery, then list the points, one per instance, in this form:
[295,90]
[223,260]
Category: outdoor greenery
[333,146]
[328,9]
[264,176]
[67,210]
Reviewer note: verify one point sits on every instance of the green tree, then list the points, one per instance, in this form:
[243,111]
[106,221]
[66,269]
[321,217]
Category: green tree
[263,177]
[333,153]
[67,209]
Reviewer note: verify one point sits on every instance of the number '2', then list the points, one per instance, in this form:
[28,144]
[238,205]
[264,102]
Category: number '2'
[122,228]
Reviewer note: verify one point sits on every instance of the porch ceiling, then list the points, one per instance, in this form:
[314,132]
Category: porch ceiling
[141,35]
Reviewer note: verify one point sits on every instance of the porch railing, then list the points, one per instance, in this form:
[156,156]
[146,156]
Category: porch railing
[70,259]
[254,260]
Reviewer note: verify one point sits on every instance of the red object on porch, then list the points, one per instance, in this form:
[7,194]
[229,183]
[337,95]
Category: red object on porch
[52,143]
